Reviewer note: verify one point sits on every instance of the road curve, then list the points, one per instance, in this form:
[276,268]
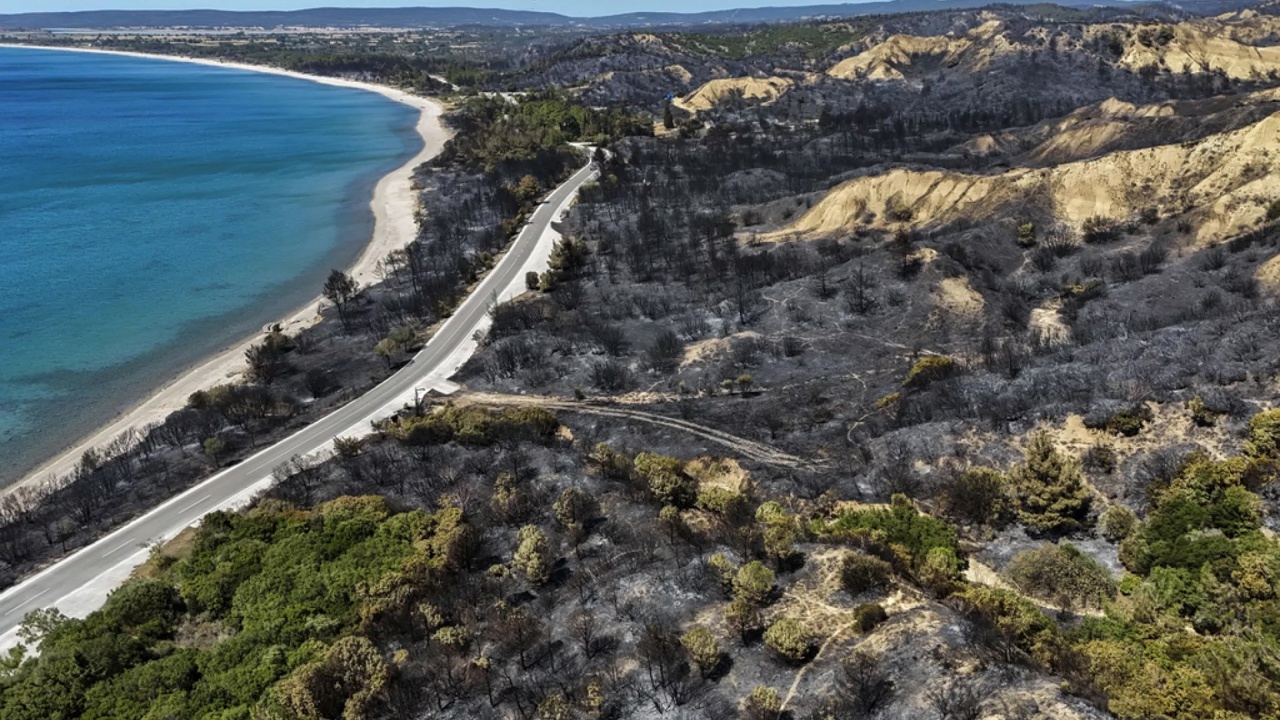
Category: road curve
[79,583]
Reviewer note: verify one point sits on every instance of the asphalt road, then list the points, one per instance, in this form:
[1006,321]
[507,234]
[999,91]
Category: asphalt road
[79,583]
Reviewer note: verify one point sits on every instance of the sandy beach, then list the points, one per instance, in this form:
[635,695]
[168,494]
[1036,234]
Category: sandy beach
[394,204]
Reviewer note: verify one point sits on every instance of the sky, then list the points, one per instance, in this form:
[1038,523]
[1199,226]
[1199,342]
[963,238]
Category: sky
[581,8]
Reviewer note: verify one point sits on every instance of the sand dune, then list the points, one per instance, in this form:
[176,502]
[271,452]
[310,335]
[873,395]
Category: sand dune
[715,92]
[1224,182]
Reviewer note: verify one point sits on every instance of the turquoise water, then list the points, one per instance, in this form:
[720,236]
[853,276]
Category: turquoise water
[152,212]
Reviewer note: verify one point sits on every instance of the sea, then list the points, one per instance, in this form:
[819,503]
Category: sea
[154,212]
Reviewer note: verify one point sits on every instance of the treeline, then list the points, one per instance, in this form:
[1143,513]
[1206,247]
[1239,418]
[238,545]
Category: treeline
[496,132]
[518,594]
[301,596]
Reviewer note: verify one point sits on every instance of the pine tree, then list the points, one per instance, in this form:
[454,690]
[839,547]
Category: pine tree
[1052,497]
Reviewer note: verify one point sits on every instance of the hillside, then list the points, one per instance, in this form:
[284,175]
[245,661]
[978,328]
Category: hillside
[336,17]
[905,366]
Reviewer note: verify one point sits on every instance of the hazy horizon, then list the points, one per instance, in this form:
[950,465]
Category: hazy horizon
[578,8]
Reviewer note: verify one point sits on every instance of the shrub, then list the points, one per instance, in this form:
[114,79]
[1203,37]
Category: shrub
[1012,617]
[940,570]
[1027,235]
[862,686]
[911,534]
[1118,522]
[348,447]
[754,583]
[574,508]
[1061,574]
[762,704]
[1264,435]
[1127,422]
[702,647]
[1100,459]
[869,616]
[929,370]
[860,573]
[723,570]
[667,479]
[722,501]
[1201,414]
[899,210]
[888,401]
[978,495]
[665,353]
[789,638]
[1099,229]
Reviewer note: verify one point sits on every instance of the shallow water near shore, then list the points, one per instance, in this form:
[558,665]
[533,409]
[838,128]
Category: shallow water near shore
[153,213]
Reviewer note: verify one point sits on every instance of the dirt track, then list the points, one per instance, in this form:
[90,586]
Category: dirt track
[748,448]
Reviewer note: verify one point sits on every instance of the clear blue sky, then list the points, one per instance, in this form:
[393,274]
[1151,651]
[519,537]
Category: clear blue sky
[582,8]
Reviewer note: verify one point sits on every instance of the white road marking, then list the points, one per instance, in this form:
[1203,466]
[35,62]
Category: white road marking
[28,602]
[197,502]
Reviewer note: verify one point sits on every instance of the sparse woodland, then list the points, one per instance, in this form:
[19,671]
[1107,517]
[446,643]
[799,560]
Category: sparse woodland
[938,381]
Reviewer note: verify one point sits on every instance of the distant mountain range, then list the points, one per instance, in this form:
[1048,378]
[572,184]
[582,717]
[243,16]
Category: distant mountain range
[459,17]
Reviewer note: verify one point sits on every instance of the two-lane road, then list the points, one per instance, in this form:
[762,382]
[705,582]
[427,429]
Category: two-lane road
[78,584]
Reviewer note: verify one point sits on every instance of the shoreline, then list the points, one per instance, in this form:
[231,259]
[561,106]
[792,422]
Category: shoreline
[394,205]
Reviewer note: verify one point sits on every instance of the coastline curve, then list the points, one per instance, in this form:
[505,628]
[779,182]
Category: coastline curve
[394,205]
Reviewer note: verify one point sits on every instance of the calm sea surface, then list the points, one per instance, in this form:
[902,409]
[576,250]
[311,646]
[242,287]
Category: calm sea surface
[153,212]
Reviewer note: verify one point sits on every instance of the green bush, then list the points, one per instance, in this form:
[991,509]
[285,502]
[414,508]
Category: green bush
[754,583]
[978,495]
[762,704]
[1201,414]
[790,639]
[477,426]
[1127,422]
[1014,618]
[1264,435]
[1117,523]
[290,593]
[702,647]
[666,479]
[869,616]
[930,369]
[1027,235]
[533,555]
[860,573]
[1098,229]
[1061,574]
[912,534]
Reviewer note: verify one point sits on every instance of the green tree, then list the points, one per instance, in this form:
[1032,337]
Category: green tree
[789,638]
[754,583]
[214,447]
[762,704]
[742,615]
[702,647]
[1052,497]
[667,479]
[528,190]
[533,555]
[574,508]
